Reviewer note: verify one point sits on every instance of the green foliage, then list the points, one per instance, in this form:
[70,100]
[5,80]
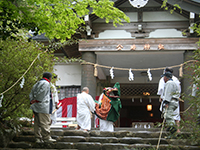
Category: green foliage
[15,58]
[56,18]
[171,8]
[191,113]
[14,15]
[196,28]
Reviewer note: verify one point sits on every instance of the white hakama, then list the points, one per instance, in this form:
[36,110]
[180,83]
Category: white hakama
[105,125]
[85,104]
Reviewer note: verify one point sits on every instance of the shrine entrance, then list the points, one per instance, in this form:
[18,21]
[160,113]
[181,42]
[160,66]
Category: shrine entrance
[140,103]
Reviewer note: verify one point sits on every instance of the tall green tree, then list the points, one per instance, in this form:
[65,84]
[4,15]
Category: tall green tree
[56,18]
[59,19]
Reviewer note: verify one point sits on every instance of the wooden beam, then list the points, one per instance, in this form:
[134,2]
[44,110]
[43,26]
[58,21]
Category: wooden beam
[170,44]
[140,15]
[143,9]
[119,2]
[147,27]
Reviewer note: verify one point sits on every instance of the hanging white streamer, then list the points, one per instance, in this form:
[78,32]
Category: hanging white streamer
[1,100]
[22,83]
[131,75]
[111,73]
[149,74]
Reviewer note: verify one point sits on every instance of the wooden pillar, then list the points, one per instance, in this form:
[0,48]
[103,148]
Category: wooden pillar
[87,76]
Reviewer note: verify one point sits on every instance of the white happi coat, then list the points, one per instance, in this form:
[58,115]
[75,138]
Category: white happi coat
[41,93]
[85,104]
[161,93]
[105,125]
[55,99]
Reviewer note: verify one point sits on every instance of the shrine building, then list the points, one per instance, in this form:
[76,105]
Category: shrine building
[154,39]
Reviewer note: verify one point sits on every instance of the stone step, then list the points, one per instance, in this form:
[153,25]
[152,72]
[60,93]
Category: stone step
[116,129]
[96,146]
[134,129]
[125,140]
[118,134]
[98,140]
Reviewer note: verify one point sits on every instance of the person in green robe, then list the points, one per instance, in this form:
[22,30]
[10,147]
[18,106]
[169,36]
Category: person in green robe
[108,107]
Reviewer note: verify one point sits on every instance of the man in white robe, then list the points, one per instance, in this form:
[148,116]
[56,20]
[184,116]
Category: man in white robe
[55,100]
[85,108]
[160,92]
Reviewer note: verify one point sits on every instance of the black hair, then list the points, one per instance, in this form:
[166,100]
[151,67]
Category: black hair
[168,69]
[47,75]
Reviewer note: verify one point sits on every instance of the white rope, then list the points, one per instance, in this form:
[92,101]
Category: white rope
[117,68]
[23,74]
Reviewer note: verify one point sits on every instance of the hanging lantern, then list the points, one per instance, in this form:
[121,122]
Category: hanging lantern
[149,107]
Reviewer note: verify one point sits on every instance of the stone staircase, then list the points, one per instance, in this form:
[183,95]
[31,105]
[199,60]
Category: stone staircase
[120,139]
